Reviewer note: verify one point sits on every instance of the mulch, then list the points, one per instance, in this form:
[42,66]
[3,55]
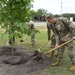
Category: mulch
[22,63]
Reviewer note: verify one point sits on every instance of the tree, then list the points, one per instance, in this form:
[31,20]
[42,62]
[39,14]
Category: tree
[68,15]
[14,14]
[33,14]
[41,12]
[56,15]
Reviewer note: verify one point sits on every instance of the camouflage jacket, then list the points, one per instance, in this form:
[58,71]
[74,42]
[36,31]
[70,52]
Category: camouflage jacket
[64,29]
[31,25]
[49,29]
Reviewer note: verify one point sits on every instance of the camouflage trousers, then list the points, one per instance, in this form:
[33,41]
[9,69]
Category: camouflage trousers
[32,39]
[70,50]
[52,45]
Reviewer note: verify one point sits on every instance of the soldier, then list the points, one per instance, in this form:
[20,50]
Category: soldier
[32,27]
[52,38]
[64,30]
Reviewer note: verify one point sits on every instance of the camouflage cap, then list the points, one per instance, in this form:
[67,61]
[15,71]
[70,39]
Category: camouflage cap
[49,15]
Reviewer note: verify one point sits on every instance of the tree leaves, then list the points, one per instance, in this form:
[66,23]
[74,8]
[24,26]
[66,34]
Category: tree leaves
[13,15]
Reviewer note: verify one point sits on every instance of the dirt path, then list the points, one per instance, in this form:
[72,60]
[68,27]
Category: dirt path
[28,65]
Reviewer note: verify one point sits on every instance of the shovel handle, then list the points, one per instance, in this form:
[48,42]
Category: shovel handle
[44,44]
[58,46]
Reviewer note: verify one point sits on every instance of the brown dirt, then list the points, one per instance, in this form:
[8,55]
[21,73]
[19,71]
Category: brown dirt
[28,65]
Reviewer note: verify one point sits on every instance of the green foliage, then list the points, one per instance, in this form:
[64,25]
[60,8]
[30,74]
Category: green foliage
[56,15]
[38,14]
[41,12]
[68,15]
[13,15]
[17,10]
[33,14]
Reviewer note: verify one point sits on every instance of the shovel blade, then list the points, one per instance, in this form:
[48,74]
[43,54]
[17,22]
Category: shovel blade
[36,53]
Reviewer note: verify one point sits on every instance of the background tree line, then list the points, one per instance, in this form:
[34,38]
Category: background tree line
[38,15]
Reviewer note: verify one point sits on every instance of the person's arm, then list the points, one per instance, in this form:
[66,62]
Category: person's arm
[48,31]
[57,40]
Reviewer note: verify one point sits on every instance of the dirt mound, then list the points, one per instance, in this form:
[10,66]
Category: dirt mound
[29,64]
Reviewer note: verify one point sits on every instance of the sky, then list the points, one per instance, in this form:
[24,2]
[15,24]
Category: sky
[54,6]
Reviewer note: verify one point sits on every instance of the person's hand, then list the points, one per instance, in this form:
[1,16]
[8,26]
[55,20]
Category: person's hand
[56,46]
[73,38]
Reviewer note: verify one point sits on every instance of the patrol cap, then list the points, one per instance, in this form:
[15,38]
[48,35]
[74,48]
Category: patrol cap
[49,16]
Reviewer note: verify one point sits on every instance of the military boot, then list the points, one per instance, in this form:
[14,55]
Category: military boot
[56,63]
[72,68]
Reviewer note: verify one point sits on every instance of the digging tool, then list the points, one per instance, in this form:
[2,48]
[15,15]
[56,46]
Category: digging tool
[58,46]
[40,55]
[39,50]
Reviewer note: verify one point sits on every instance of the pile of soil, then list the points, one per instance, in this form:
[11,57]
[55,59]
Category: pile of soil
[28,65]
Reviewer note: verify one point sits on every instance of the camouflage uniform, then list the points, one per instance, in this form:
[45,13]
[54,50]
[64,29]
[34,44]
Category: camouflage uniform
[53,41]
[65,30]
[32,27]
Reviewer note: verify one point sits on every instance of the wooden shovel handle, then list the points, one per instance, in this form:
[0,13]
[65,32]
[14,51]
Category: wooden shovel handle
[44,44]
[58,46]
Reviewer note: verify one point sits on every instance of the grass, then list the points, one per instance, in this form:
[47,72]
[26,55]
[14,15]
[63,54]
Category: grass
[40,39]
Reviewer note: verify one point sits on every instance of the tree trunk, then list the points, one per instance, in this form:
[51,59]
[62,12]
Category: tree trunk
[12,40]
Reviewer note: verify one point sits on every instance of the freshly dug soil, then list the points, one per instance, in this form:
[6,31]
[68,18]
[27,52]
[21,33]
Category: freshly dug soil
[23,62]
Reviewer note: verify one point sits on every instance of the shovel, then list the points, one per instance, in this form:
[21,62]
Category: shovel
[40,55]
[39,50]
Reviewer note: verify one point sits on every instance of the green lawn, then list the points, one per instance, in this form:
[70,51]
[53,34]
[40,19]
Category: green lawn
[41,38]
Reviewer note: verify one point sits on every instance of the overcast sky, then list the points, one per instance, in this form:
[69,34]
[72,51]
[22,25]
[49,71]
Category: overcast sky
[54,6]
